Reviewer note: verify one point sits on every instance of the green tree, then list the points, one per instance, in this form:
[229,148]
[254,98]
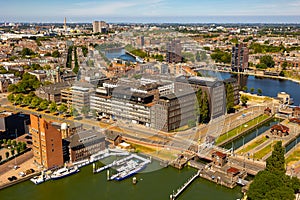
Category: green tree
[245,88]
[4,141]
[53,107]
[85,110]
[191,123]
[94,113]
[6,154]
[73,111]
[18,149]
[19,99]
[44,105]
[244,100]
[9,142]
[284,65]
[27,100]
[252,90]
[23,146]
[259,91]
[62,108]
[56,54]
[276,162]
[12,152]
[27,52]
[35,102]
[14,143]
[229,98]
[268,61]
[11,98]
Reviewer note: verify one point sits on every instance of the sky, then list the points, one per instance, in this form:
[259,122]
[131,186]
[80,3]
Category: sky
[149,10]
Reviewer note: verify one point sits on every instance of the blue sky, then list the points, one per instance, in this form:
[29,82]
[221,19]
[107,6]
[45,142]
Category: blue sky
[126,10]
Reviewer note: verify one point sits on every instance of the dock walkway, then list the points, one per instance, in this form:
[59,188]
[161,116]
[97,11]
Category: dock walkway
[185,185]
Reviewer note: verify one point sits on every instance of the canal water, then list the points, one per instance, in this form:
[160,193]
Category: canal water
[270,87]
[155,185]
[251,135]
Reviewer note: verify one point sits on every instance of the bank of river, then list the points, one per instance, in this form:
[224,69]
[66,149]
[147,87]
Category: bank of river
[157,184]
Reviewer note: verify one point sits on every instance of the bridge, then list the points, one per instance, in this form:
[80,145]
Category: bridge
[173,196]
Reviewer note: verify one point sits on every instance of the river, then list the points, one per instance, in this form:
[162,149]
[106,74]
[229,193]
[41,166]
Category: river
[270,87]
[119,53]
[153,185]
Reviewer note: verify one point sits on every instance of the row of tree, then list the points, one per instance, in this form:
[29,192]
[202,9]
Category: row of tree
[252,90]
[202,106]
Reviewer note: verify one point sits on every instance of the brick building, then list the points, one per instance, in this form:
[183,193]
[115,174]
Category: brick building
[47,143]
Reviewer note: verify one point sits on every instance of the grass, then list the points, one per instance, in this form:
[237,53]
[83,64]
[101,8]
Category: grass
[293,157]
[160,153]
[253,144]
[241,128]
[264,151]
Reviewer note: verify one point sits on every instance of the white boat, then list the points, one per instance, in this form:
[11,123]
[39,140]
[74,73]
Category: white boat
[40,179]
[63,172]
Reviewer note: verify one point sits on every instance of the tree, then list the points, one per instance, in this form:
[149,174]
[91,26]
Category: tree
[276,162]
[6,154]
[252,90]
[73,111]
[9,142]
[4,141]
[35,102]
[53,107]
[284,65]
[23,146]
[12,152]
[204,108]
[18,148]
[11,98]
[244,100]
[191,123]
[27,52]
[245,88]
[94,113]
[259,91]
[19,99]
[85,110]
[268,61]
[273,183]
[56,54]
[27,100]
[62,108]
[229,97]
[44,105]
[14,143]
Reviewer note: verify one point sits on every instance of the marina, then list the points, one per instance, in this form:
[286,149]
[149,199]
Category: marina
[125,167]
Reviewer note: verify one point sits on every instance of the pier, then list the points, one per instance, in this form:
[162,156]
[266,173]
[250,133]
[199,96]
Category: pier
[185,185]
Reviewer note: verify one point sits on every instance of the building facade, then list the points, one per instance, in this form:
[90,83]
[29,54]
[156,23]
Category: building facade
[240,57]
[47,143]
[173,54]
[100,27]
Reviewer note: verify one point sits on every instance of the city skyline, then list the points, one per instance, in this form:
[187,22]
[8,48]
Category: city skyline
[222,11]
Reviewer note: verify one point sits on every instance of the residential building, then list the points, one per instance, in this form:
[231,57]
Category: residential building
[4,83]
[174,52]
[52,92]
[100,27]
[239,58]
[85,143]
[77,96]
[47,143]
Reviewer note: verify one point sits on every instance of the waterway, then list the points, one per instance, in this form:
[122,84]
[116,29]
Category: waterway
[157,184]
[251,135]
[270,87]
